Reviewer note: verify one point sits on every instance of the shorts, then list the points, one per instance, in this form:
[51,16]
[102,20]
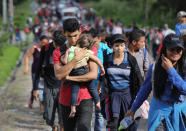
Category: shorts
[41,95]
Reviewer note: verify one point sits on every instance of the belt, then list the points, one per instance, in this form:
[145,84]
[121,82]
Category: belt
[119,90]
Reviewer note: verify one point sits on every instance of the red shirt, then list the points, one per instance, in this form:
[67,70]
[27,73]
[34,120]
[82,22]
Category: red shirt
[65,90]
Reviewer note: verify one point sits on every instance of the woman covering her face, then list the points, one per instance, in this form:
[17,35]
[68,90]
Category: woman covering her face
[168,81]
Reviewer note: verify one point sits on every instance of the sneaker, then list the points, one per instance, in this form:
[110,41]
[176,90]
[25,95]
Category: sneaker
[112,124]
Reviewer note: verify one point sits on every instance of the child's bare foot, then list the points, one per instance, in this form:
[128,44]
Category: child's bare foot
[73,111]
[98,106]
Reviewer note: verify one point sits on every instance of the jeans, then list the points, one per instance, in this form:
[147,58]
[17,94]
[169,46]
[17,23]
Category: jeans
[120,104]
[51,105]
[75,91]
[82,119]
[99,121]
[162,126]
[76,85]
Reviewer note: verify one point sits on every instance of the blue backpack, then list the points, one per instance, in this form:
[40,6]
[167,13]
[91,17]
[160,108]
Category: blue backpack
[145,55]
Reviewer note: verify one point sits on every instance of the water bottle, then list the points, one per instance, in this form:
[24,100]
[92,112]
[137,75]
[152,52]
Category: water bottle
[127,121]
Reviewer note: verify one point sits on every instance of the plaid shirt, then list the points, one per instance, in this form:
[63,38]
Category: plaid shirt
[143,64]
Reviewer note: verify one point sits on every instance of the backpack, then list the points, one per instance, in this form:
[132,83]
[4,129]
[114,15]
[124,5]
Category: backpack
[145,55]
[48,59]
[105,99]
[27,30]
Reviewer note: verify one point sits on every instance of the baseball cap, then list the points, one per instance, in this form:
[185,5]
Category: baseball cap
[172,41]
[84,27]
[118,38]
[181,14]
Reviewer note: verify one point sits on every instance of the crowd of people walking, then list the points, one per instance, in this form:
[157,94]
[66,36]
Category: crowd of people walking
[78,65]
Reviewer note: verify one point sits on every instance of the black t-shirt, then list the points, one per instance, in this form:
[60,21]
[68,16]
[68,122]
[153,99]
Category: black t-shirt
[46,68]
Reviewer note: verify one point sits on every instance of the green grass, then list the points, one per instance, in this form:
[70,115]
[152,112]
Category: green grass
[3,41]
[8,62]
[10,54]
[22,12]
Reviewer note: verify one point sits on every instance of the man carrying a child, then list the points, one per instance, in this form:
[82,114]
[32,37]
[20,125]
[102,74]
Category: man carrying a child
[82,119]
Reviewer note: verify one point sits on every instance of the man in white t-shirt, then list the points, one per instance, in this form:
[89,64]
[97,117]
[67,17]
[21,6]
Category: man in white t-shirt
[167,30]
[117,29]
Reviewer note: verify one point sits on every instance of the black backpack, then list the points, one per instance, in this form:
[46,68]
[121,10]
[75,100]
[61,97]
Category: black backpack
[105,102]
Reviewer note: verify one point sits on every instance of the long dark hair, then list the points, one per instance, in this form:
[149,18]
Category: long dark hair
[160,75]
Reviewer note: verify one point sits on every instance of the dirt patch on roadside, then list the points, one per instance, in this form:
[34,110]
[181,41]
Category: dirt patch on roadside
[14,112]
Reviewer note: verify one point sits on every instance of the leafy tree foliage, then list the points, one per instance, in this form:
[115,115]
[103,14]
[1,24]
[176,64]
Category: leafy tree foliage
[133,11]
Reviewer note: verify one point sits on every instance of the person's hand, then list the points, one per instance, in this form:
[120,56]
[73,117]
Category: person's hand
[130,114]
[64,58]
[102,70]
[98,89]
[166,63]
[80,54]
[36,94]
[67,77]
[26,71]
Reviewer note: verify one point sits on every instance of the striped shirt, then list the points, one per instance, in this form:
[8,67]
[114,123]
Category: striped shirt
[143,64]
[118,75]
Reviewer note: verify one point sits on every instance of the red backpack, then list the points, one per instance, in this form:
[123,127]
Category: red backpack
[27,30]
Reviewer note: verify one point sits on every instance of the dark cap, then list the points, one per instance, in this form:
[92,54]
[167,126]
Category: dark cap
[118,38]
[172,41]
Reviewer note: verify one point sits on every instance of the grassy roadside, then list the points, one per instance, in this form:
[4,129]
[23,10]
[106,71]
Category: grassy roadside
[8,62]
[22,12]
[9,54]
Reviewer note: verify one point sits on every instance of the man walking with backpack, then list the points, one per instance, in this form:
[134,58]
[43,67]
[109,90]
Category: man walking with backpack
[51,84]
[137,49]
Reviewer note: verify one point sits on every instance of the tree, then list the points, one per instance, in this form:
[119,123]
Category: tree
[4,11]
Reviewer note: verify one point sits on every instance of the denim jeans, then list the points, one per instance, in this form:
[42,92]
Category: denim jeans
[51,105]
[162,126]
[99,121]
[76,85]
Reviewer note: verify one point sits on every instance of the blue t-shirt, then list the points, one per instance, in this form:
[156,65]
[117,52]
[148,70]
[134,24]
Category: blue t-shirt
[102,47]
[179,28]
[118,75]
